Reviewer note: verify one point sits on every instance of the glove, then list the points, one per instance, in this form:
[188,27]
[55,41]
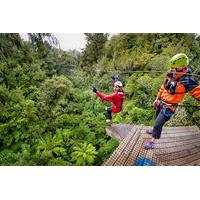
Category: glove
[155,104]
[94,89]
[115,78]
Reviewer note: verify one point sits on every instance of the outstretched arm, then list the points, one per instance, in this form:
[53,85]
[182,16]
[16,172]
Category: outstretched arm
[193,88]
[195,92]
[104,97]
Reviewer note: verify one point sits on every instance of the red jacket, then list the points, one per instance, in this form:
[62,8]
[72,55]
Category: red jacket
[116,99]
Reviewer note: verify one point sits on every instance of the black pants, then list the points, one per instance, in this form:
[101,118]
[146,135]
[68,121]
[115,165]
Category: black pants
[109,113]
[163,115]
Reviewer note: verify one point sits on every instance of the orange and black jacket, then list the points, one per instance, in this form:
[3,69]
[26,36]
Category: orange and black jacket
[177,83]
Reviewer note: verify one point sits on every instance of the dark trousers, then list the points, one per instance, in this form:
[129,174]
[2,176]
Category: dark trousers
[109,113]
[163,115]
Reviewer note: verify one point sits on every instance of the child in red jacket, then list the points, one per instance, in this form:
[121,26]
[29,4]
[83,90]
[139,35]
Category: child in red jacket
[117,98]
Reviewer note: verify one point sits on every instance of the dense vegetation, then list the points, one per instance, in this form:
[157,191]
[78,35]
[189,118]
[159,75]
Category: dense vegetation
[48,113]
[126,53]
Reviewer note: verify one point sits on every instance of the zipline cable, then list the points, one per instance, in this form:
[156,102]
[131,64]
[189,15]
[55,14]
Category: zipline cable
[136,71]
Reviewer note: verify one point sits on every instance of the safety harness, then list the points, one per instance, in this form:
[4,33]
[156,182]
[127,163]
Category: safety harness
[121,103]
[164,106]
[174,78]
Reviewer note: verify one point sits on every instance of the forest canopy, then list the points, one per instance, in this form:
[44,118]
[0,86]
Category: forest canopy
[48,113]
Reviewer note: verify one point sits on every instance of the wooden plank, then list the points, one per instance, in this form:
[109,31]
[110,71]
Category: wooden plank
[177,146]
[193,163]
[113,134]
[178,134]
[119,131]
[138,151]
[172,135]
[116,154]
[129,148]
[179,138]
[172,130]
[184,160]
[176,155]
[181,128]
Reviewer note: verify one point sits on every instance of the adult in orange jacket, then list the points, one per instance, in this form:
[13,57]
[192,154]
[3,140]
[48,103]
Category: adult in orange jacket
[116,98]
[177,83]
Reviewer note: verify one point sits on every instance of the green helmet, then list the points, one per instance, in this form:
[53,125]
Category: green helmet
[178,60]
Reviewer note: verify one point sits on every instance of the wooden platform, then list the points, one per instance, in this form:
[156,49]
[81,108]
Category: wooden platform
[177,146]
[119,131]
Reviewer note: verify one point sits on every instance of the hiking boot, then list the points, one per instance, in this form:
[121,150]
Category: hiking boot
[149,131]
[149,145]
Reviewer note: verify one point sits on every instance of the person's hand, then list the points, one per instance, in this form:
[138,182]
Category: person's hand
[94,89]
[115,78]
[155,104]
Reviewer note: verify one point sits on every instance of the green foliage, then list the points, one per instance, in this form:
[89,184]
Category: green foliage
[179,118]
[9,43]
[149,52]
[196,117]
[84,154]
[48,113]
[94,48]
[7,157]
[58,162]
[42,43]
[53,89]
[105,150]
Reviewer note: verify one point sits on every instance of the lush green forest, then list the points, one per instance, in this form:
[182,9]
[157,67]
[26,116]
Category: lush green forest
[48,112]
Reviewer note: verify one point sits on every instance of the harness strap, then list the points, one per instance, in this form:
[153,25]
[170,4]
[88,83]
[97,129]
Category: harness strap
[121,103]
[163,104]
[175,79]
